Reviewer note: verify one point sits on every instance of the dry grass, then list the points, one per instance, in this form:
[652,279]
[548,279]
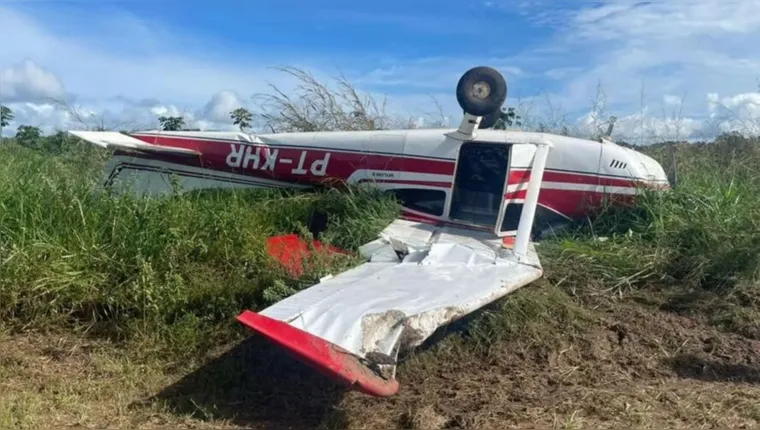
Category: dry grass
[627,365]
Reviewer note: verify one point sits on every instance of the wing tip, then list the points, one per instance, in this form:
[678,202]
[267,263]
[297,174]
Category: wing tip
[322,354]
[127,143]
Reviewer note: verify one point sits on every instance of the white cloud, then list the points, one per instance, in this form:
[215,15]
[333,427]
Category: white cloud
[127,82]
[219,107]
[740,112]
[109,77]
[148,63]
[669,59]
[671,100]
[664,59]
[667,20]
[643,127]
[561,72]
[44,115]
[27,81]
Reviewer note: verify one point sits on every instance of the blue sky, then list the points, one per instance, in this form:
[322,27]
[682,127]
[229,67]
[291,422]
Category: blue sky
[694,61]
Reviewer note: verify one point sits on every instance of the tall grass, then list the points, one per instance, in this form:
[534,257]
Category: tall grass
[701,239]
[180,268]
[70,253]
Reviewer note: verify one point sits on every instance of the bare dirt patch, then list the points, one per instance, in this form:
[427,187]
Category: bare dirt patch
[631,365]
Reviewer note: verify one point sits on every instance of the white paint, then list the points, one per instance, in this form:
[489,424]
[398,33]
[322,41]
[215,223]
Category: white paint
[250,157]
[570,154]
[418,277]
[531,200]
[379,175]
[116,140]
[445,274]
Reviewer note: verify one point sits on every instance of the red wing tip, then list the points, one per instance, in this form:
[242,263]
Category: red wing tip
[290,250]
[322,354]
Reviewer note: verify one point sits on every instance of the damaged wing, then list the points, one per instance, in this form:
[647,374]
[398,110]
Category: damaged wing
[418,277]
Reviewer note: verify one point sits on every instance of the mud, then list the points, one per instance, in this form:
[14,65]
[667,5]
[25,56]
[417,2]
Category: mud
[632,367]
[629,365]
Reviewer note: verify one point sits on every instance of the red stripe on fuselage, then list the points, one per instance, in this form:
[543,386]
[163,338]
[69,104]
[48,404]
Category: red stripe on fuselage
[522,175]
[295,165]
[341,163]
[575,203]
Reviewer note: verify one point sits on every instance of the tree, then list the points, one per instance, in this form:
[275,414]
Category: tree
[6,116]
[55,143]
[171,123]
[242,118]
[28,135]
[508,118]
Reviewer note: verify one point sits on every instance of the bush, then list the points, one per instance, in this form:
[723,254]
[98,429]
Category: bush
[703,234]
[69,253]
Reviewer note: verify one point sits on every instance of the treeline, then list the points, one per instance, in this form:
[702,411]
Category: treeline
[31,136]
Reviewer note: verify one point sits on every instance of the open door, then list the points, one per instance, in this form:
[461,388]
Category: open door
[480,184]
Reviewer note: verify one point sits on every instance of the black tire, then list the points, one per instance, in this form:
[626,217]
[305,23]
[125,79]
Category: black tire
[489,120]
[495,85]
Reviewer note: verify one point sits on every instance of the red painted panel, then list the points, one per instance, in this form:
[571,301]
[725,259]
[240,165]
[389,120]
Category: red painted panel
[293,163]
[291,250]
[325,356]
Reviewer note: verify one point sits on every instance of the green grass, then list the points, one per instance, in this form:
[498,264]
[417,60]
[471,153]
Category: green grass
[155,285]
[171,269]
[697,244]
[177,270]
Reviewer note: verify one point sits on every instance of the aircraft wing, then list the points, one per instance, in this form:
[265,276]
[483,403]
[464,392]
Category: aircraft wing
[418,277]
[113,139]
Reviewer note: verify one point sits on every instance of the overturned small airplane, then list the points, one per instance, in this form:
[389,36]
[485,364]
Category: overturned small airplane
[472,200]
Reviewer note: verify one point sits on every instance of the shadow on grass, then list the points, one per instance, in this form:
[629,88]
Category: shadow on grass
[256,385]
[694,367]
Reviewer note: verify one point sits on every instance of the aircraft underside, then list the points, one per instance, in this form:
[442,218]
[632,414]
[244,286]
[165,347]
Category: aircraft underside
[473,202]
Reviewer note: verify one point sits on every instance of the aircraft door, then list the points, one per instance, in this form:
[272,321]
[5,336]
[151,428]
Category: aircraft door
[479,183]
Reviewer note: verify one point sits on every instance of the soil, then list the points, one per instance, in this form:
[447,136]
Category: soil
[632,365]
[635,367]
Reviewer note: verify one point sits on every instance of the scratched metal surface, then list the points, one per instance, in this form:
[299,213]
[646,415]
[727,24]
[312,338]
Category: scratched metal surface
[369,309]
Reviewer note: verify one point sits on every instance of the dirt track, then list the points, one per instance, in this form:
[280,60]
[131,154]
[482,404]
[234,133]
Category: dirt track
[629,366]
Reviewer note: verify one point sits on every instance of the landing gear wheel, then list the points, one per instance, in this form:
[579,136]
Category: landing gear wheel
[481,91]
[489,120]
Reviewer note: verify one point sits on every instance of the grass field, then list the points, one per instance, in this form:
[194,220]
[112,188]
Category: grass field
[119,312]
